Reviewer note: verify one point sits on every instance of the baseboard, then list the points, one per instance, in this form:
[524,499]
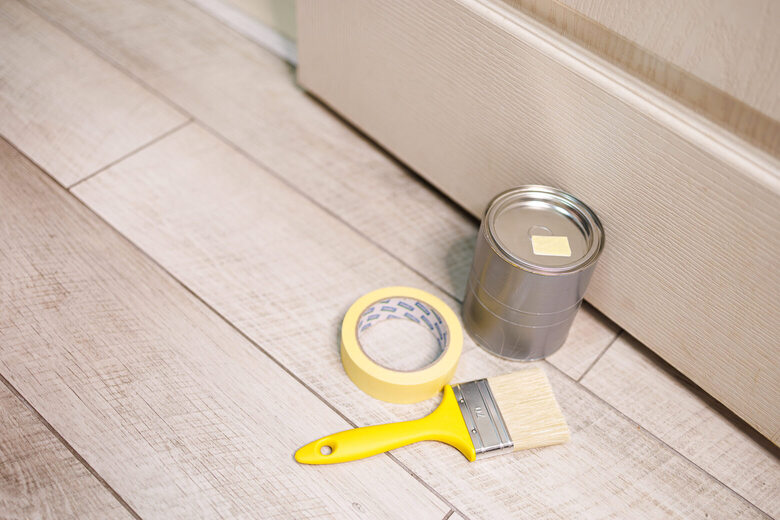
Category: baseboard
[263,35]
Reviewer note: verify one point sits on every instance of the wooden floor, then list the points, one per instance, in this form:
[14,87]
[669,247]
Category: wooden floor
[182,229]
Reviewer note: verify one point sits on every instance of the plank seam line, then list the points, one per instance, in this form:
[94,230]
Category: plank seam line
[132,152]
[287,183]
[664,443]
[70,448]
[601,354]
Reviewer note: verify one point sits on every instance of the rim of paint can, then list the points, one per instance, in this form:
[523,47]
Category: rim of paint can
[513,217]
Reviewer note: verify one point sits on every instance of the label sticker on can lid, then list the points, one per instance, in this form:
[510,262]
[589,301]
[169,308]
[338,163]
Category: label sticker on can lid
[550,245]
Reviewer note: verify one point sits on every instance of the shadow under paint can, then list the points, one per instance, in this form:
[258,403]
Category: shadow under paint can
[536,251]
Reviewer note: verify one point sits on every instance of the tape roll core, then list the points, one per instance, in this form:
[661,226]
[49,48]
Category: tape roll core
[397,386]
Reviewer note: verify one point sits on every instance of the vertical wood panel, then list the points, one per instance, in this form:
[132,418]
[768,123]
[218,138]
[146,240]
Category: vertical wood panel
[717,57]
[732,44]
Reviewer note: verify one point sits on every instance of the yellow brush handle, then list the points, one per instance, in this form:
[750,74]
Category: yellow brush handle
[445,424]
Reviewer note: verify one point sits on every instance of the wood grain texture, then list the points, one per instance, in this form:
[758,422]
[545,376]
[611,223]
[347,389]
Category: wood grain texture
[176,410]
[68,110]
[39,477]
[717,57]
[260,254]
[478,99]
[643,387]
[732,44]
[249,96]
[257,27]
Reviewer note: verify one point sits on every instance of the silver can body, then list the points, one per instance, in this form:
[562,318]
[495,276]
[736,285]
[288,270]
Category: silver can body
[535,254]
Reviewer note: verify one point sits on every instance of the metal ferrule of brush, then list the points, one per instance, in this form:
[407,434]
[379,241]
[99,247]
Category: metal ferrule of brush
[486,426]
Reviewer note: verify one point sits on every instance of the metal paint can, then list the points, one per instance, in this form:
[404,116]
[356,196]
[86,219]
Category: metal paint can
[536,251]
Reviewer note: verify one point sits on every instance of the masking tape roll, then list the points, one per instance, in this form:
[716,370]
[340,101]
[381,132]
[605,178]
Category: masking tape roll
[400,303]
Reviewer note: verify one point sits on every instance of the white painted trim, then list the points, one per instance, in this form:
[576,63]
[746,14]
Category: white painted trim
[265,36]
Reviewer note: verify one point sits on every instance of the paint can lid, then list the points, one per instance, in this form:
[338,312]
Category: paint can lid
[544,230]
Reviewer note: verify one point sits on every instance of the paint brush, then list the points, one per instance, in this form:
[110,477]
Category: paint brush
[481,418]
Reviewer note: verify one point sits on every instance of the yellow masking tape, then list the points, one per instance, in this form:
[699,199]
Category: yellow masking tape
[400,303]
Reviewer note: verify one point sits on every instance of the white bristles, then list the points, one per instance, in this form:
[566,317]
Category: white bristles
[530,411]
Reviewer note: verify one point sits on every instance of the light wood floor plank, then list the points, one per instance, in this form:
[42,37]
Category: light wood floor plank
[64,107]
[249,96]
[263,256]
[39,477]
[176,410]
[645,388]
